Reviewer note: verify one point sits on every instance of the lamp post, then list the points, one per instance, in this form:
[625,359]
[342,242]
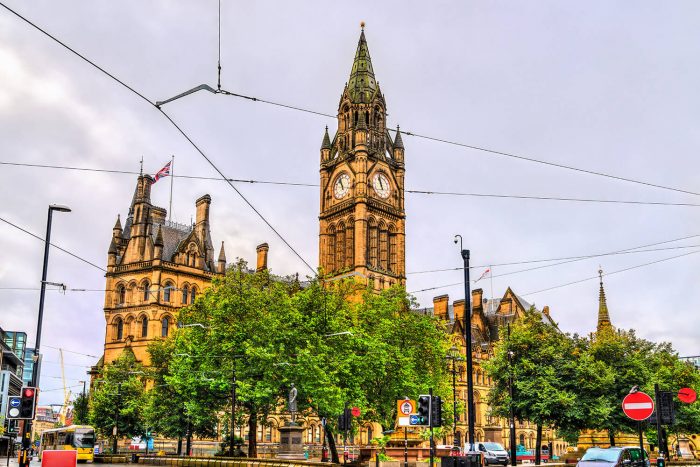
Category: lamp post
[454,356]
[26,431]
[468,339]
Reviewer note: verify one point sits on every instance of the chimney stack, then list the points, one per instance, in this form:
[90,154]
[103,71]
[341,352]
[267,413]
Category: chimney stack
[262,250]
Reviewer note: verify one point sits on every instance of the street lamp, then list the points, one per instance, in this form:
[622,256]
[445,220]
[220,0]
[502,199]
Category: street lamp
[455,357]
[468,339]
[26,441]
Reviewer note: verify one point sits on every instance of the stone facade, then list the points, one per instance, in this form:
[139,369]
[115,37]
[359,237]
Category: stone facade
[362,214]
[154,268]
[488,317]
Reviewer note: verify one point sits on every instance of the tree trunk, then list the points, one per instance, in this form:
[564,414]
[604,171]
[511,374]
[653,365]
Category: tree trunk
[179,445]
[252,434]
[538,445]
[330,439]
[611,435]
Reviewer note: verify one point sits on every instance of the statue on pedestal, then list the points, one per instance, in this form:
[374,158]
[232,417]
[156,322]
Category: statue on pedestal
[292,403]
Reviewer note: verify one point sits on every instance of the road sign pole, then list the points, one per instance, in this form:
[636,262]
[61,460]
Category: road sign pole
[658,422]
[405,446]
[641,442]
[430,391]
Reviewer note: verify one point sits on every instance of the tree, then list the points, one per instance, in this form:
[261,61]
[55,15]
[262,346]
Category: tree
[81,409]
[338,345]
[538,357]
[120,399]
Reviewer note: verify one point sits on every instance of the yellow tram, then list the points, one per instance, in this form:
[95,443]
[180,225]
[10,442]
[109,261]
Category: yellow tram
[79,438]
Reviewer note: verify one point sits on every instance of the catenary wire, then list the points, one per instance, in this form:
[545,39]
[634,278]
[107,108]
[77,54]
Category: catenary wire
[409,133]
[419,192]
[611,273]
[170,120]
[71,351]
[53,245]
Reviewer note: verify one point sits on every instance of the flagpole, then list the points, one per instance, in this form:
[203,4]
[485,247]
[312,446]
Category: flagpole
[172,178]
[491,277]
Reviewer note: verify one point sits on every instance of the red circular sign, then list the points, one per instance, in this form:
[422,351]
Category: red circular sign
[687,395]
[355,411]
[638,406]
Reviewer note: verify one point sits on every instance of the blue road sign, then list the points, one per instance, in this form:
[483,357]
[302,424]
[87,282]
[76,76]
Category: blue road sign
[15,401]
[414,420]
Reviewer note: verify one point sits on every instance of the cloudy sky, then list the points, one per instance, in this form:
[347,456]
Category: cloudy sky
[606,86]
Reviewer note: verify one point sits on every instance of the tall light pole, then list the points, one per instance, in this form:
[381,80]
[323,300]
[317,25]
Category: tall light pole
[468,339]
[26,431]
[454,356]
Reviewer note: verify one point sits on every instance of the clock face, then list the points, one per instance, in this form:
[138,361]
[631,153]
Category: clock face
[341,185]
[381,186]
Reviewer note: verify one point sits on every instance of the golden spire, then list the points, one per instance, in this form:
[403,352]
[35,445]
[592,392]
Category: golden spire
[603,315]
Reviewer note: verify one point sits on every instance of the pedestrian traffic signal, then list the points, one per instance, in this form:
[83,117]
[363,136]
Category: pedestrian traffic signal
[27,404]
[424,409]
[436,412]
[345,420]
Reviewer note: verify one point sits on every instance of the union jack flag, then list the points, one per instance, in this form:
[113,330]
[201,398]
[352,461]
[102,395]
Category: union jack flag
[164,172]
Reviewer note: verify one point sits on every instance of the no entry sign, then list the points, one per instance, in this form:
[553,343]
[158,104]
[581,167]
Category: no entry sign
[638,406]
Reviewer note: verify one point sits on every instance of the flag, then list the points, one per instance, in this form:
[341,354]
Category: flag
[164,172]
[488,270]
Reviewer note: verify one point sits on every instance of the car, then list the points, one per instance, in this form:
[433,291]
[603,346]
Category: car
[624,456]
[494,453]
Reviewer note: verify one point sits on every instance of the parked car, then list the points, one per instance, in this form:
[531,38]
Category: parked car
[494,453]
[625,456]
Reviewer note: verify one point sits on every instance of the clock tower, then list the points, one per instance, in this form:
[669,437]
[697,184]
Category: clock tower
[362,216]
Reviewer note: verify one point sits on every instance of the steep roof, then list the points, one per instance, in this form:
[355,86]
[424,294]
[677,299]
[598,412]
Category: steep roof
[362,85]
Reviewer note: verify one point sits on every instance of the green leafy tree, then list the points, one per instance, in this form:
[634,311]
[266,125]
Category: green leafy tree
[119,399]
[81,409]
[338,345]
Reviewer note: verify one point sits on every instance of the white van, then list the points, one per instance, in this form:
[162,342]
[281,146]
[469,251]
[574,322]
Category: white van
[494,453]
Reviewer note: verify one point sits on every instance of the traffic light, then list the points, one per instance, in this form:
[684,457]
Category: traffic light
[424,409]
[26,408]
[345,420]
[436,412]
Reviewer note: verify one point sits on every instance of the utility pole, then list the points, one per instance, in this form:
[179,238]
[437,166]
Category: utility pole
[468,340]
[513,452]
[233,410]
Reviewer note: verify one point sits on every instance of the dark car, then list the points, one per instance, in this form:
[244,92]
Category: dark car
[614,457]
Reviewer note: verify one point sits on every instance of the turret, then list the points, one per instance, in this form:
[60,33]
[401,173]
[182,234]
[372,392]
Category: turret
[325,147]
[603,314]
[112,253]
[262,250]
[221,263]
[398,146]
[117,230]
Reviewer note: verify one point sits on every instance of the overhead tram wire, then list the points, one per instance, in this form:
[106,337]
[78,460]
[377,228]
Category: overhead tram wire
[53,244]
[409,133]
[418,192]
[540,267]
[573,282]
[153,104]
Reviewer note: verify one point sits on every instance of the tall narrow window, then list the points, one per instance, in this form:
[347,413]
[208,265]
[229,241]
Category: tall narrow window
[193,294]
[340,248]
[331,251]
[373,233]
[350,246]
[164,327]
[383,249]
[393,255]
[166,292]
[120,329]
[146,291]
[184,295]
[144,326]
[121,295]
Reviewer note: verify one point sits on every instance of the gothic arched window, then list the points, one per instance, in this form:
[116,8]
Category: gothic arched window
[372,242]
[164,327]
[393,256]
[120,329]
[340,247]
[144,326]
[330,261]
[146,291]
[193,294]
[121,295]
[350,244]
[167,292]
[383,248]
[184,295]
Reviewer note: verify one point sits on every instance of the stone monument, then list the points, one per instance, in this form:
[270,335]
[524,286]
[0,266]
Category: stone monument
[291,435]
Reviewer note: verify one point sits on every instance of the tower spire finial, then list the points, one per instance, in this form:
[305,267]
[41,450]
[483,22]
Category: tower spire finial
[141,171]
[603,314]
[362,25]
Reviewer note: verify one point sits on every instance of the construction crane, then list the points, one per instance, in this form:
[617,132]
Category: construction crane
[66,392]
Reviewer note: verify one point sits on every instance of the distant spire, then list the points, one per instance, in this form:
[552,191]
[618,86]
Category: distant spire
[362,84]
[326,144]
[222,253]
[398,142]
[118,224]
[603,315]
